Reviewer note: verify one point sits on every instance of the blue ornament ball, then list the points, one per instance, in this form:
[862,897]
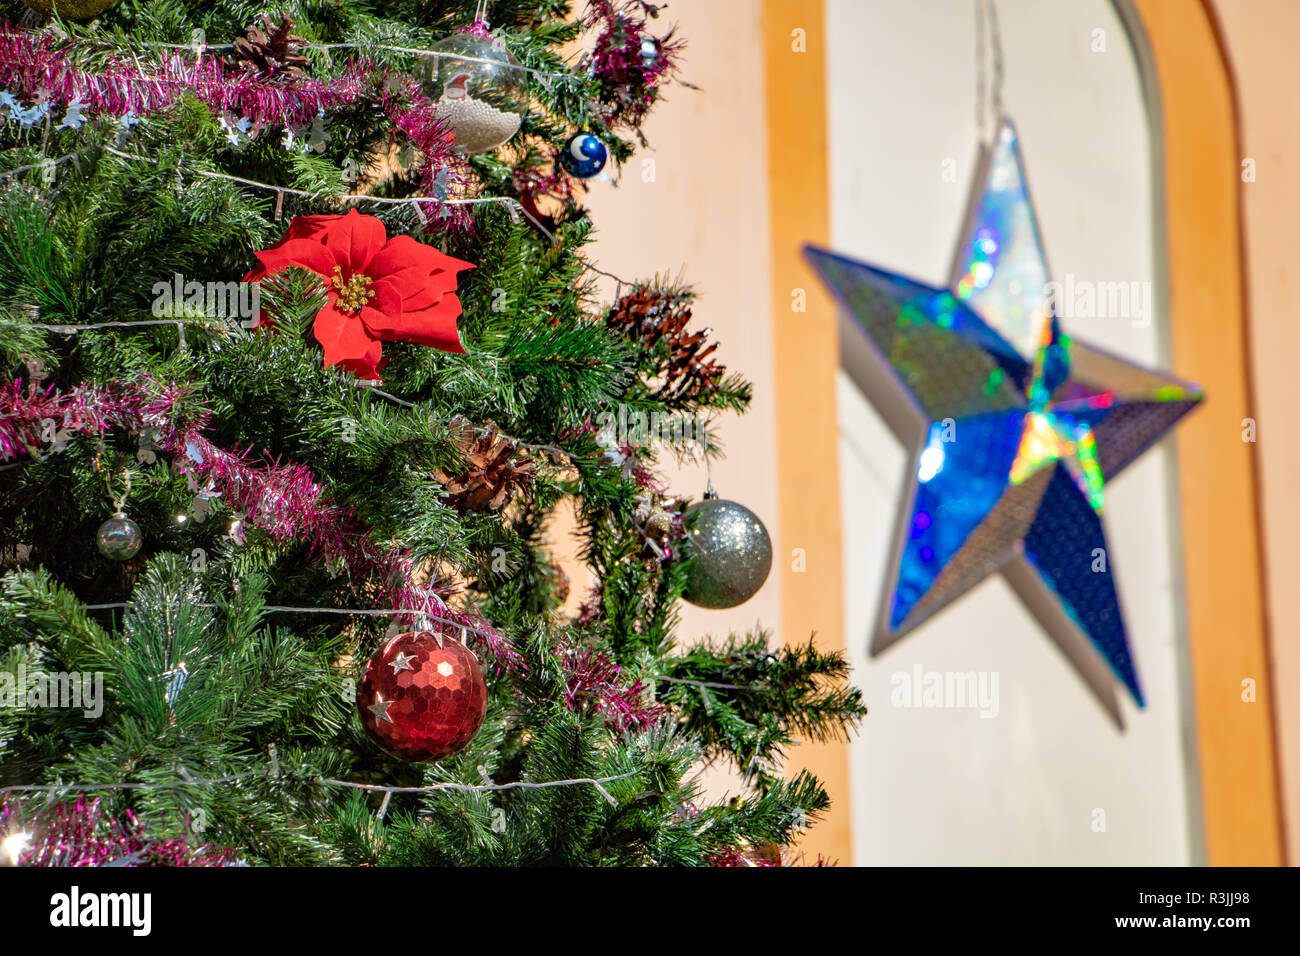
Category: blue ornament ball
[583,155]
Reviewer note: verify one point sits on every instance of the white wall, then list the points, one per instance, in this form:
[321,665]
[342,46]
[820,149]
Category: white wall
[948,786]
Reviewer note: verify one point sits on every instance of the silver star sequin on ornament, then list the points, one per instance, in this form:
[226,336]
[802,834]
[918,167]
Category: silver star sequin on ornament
[402,662]
[380,709]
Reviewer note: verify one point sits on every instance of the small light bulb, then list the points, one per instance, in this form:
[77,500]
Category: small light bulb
[15,845]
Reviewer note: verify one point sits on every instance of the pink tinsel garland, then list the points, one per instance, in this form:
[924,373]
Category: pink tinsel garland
[288,503]
[591,676]
[631,76]
[79,835]
[734,856]
[283,500]
[33,66]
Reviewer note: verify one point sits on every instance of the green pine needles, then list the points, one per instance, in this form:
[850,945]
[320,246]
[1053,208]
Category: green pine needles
[201,684]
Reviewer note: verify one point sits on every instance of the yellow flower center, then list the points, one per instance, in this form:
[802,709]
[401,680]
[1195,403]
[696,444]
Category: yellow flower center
[354,292]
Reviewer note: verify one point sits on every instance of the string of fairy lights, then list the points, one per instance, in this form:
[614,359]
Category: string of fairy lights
[198,782]
[513,206]
[423,620]
[546,77]
[14,844]
[186,780]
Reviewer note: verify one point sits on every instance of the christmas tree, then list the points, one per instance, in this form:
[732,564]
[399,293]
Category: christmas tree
[304,352]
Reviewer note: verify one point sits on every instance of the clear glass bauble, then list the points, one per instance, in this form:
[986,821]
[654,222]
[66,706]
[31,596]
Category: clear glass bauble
[119,538]
[479,87]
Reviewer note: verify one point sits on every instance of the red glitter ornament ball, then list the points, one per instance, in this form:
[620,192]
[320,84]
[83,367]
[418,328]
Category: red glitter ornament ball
[422,696]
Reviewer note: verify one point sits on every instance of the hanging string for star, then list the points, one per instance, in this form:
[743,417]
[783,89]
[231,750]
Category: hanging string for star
[988,60]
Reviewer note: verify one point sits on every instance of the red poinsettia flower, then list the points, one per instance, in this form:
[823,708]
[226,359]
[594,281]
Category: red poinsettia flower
[380,289]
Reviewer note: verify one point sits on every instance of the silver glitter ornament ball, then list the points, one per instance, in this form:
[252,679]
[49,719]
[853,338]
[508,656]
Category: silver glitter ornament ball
[734,553]
[119,538]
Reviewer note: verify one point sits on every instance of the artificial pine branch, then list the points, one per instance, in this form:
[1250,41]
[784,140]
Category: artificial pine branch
[88,246]
[748,702]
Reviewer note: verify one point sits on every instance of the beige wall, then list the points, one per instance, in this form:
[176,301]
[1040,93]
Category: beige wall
[1260,37]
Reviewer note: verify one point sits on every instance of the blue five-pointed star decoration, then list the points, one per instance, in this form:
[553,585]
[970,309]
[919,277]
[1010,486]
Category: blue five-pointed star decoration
[1016,430]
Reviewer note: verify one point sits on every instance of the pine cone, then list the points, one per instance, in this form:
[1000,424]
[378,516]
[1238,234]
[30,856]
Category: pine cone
[492,476]
[271,51]
[658,319]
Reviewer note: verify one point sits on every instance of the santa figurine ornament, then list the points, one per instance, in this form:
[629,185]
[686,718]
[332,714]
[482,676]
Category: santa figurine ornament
[479,88]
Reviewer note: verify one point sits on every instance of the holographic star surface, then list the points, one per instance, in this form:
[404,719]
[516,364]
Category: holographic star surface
[1017,428]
